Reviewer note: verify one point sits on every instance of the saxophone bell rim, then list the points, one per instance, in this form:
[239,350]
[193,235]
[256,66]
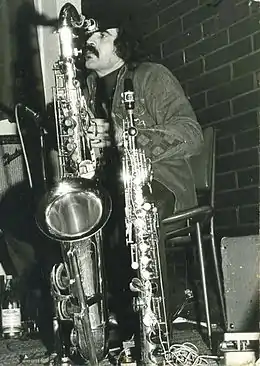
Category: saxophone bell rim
[73,187]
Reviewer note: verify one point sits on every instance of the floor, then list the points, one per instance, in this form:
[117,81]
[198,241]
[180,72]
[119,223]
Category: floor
[32,352]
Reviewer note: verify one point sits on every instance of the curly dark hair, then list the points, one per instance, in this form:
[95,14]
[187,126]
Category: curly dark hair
[130,45]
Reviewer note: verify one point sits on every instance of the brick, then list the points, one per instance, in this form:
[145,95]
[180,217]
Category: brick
[246,64]
[227,54]
[188,71]
[248,214]
[225,181]
[238,123]
[228,215]
[176,10]
[247,139]
[243,28]
[210,27]
[235,9]
[246,102]
[225,18]
[198,101]
[239,160]
[174,61]
[248,177]
[209,80]
[182,41]
[225,145]
[214,113]
[149,10]
[162,4]
[226,13]
[206,45]
[256,41]
[198,15]
[242,10]
[237,197]
[231,89]
[150,26]
[162,33]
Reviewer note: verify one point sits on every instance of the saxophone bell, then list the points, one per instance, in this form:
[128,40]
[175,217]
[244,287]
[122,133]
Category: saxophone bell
[74,208]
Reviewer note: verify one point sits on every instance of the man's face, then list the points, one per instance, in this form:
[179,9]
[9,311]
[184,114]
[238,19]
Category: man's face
[100,53]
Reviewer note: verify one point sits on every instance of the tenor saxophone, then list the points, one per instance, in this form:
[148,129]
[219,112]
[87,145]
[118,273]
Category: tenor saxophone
[75,209]
[142,237]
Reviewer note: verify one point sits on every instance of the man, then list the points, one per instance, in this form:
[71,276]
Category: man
[167,130]
[167,127]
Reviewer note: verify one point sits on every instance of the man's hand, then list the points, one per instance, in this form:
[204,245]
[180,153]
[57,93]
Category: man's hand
[98,133]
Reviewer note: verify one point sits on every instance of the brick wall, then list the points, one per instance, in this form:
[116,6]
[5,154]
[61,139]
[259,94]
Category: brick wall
[213,48]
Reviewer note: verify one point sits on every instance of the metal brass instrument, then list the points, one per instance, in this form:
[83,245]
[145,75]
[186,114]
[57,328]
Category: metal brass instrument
[141,220]
[74,211]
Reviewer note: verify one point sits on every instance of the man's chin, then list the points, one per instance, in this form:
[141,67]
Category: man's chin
[90,63]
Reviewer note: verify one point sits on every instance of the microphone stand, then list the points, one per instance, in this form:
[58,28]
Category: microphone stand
[42,132]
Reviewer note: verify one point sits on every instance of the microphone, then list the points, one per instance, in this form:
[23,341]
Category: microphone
[129,99]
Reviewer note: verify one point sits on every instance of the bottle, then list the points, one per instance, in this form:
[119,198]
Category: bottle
[10,311]
[2,271]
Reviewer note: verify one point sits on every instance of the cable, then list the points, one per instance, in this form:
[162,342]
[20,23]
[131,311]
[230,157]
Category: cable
[17,106]
[186,354]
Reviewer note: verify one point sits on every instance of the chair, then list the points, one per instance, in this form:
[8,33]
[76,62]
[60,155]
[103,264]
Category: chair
[200,220]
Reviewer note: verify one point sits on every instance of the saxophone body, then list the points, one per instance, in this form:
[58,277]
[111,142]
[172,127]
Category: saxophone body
[76,208]
[141,221]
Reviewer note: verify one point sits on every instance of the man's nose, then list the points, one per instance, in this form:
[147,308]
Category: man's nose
[92,40]
[92,44]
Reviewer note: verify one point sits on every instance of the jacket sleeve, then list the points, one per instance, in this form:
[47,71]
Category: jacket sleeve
[174,131]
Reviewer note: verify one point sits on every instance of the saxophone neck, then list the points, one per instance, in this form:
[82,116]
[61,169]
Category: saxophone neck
[70,17]
[69,20]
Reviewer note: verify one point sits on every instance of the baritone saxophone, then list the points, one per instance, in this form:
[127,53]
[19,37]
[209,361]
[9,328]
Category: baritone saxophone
[75,209]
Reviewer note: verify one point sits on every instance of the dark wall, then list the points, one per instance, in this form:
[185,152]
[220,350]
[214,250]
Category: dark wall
[20,72]
[213,48]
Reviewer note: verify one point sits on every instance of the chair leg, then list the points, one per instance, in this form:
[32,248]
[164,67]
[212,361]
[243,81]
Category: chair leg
[204,284]
[219,284]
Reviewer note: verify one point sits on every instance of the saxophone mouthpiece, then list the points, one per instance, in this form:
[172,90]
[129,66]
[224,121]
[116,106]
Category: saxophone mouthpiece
[129,99]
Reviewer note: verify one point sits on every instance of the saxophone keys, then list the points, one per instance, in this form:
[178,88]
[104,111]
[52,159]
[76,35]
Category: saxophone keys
[134,265]
[147,206]
[145,260]
[134,257]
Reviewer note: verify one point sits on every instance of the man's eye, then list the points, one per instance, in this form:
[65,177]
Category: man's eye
[103,34]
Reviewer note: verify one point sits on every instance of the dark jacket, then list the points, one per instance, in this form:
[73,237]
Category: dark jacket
[168,130]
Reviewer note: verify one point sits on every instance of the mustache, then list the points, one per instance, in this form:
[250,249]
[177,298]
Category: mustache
[92,49]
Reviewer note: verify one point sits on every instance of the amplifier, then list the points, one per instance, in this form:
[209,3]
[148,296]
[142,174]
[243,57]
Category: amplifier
[12,170]
[241,273]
